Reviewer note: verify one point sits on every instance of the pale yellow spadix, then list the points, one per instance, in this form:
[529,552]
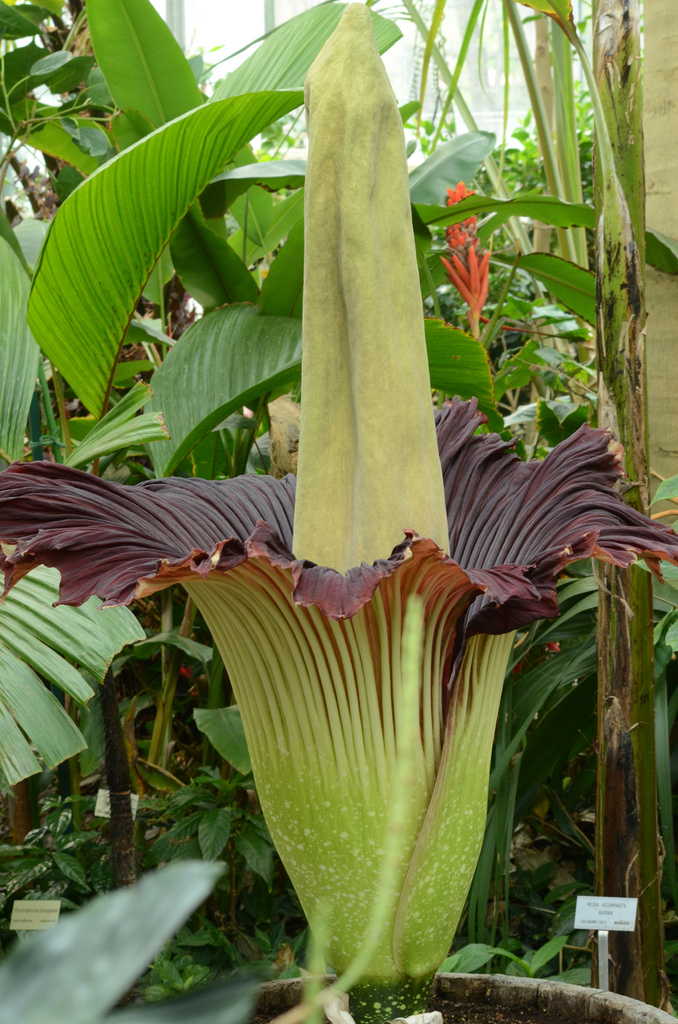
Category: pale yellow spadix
[368,459]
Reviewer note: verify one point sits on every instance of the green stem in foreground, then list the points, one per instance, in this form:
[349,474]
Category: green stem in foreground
[49,413]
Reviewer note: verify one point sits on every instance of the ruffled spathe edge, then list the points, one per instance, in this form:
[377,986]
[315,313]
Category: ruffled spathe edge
[513,527]
[337,596]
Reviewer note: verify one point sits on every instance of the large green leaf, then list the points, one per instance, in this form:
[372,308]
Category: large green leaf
[76,972]
[120,428]
[661,251]
[275,225]
[224,729]
[273,174]
[18,353]
[208,267]
[142,63]
[283,286]
[229,1003]
[548,209]
[51,138]
[114,227]
[37,638]
[227,359]
[282,60]
[459,365]
[454,161]
[20,21]
[571,284]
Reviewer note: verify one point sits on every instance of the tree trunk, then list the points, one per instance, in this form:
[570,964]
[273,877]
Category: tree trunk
[121,828]
[627,846]
[661,135]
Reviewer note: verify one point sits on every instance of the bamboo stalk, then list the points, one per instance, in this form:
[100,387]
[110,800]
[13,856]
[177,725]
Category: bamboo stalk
[627,853]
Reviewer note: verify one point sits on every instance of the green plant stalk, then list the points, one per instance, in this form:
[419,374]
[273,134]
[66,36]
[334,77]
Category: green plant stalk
[61,405]
[162,726]
[458,68]
[551,169]
[49,414]
[517,229]
[627,856]
[436,20]
[567,144]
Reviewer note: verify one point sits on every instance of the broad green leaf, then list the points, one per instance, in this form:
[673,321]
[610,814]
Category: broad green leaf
[194,650]
[37,712]
[92,957]
[71,868]
[66,77]
[18,354]
[51,63]
[571,284]
[88,635]
[283,59]
[547,952]
[115,226]
[459,366]
[125,372]
[258,855]
[36,636]
[20,21]
[222,362]
[17,760]
[213,832]
[53,139]
[224,729]
[228,1003]
[121,428]
[666,490]
[454,161]
[254,212]
[141,60]
[284,215]
[207,265]
[282,288]
[558,420]
[273,174]
[559,10]
[548,209]
[469,958]
[661,251]
[129,126]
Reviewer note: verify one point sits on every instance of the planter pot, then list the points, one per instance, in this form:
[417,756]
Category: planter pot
[499,998]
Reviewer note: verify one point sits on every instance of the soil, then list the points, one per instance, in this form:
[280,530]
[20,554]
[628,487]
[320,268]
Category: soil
[473,1013]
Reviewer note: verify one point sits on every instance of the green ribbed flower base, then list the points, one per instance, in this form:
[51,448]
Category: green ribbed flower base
[373,1002]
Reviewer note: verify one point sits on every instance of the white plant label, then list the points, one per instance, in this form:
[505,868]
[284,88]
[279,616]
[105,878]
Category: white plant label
[30,915]
[606,913]
[102,808]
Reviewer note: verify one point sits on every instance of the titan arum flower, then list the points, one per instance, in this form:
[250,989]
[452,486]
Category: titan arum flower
[304,582]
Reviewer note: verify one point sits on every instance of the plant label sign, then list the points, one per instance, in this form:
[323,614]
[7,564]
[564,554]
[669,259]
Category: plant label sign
[102,808]
[606,913]
[31,915]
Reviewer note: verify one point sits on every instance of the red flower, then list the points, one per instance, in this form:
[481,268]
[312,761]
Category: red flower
[469,269]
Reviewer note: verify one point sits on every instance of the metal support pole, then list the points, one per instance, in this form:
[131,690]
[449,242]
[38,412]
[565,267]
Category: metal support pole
[603,961]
